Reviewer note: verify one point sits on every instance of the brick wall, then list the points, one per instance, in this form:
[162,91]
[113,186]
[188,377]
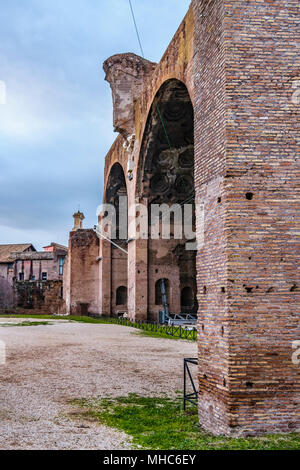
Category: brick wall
[39,297]
[81,277]
[263,210]
[7,298]
[245,133]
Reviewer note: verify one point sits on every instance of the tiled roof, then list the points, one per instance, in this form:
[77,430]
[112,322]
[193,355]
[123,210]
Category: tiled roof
[6,250]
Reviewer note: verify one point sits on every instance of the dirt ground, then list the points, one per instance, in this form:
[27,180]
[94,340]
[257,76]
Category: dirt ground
[48,365]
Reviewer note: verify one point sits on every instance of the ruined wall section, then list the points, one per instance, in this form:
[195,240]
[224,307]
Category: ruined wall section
[83,273]
[112,260]
[44,298]
[210,150]
[177,62]
[126,74]
[262,199]
[246,171]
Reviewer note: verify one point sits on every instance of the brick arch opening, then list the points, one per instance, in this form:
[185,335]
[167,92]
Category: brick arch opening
[166,179]
[121,296]
[116,190]
[116,195]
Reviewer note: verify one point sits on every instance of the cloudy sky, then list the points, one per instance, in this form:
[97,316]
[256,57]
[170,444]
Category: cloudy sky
[56,125]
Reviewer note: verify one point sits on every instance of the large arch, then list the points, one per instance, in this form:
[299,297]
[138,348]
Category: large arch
[114,260]
[166,176]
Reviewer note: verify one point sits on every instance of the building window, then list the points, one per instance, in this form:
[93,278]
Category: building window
[121,296]
[21,276]
[10,266]
[158,292]
[44,276]
[61,265]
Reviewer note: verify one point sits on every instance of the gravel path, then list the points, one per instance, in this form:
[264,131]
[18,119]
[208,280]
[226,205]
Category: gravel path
[48,365]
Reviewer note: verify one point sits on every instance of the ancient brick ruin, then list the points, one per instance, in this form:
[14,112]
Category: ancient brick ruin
[224,89]
[32,280]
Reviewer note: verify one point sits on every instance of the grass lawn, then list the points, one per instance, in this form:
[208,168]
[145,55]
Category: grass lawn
[25,323]
[90,320]
[55,317]
[161,424]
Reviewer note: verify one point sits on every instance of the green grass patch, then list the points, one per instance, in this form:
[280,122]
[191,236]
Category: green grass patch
[55,317]
[161,424]
[25,323]
[154,334]
[39,317]
[103,321]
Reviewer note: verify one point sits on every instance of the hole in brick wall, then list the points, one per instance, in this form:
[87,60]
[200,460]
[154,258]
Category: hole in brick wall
[249,196]
[139,272]
[257,287]
[204,290]
[249,384]
[250,258]
[231,280]
[224,382]
[223,289]
[222,331]
[293,288]
[248,289]
[202,327]
[219,200]
[271,289]
[204,376]
[156,271]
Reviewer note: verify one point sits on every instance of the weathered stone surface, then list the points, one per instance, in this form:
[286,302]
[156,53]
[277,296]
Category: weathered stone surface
[126,74]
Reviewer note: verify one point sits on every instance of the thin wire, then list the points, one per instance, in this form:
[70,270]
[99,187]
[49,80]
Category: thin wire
[98,232]
[136,29]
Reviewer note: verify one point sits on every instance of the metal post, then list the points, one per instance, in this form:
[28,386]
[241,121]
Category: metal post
[184,384]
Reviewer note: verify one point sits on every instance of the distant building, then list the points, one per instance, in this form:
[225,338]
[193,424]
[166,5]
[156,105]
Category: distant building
[22,263]
[8,269]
